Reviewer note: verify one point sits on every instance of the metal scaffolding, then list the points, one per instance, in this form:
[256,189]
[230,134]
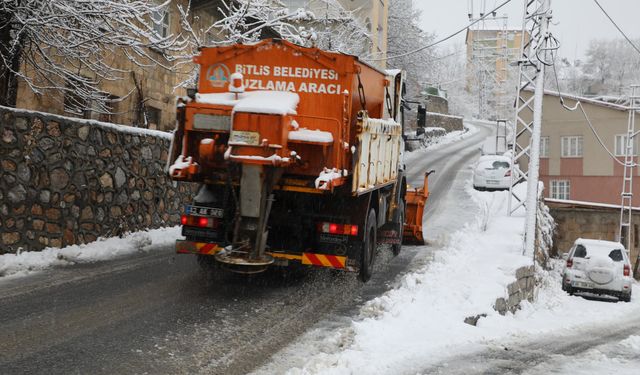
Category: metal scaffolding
[630,152]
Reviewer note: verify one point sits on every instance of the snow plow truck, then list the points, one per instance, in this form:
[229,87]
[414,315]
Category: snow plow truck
[298,153]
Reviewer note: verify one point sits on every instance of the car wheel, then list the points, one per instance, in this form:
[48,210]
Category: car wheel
[395,249]
[569,290]
[625,298]
[369,247]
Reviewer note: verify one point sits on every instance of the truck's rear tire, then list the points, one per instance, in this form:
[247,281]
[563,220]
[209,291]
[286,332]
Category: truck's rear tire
[395,249]
[369,247]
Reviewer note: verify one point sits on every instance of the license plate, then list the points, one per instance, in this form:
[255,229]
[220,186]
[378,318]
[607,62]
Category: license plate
[242,137]
[492,182]
[581,284]
[205,211]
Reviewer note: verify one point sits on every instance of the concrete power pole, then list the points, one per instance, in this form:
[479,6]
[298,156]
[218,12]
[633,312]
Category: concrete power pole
[526,134]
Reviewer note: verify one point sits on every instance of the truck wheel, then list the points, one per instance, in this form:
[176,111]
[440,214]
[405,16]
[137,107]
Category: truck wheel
[369,247]
[395,249]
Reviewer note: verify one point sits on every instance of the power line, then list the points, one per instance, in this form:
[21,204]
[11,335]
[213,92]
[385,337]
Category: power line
[584,113]
[617,27]
[443,39]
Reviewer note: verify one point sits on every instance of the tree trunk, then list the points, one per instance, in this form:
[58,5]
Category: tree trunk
[8,79]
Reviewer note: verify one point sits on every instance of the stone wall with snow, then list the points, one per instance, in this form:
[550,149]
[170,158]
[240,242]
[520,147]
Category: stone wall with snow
[66,181]
[521,289]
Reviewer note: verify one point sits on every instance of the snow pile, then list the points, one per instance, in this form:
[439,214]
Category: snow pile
[422,321]
[103,249]
[621,358]
[323,182]
[180,163]
[262,101]
[306,135]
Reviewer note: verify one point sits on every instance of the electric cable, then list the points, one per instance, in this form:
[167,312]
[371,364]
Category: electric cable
[617,27]
[443,39]
[584,113]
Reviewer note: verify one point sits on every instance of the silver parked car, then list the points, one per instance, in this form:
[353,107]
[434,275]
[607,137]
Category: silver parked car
[600,267]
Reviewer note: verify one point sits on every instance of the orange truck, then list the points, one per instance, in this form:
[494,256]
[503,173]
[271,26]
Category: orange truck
[298,153]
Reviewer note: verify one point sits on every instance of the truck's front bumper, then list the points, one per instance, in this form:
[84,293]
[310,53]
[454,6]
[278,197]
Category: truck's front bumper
[281,258]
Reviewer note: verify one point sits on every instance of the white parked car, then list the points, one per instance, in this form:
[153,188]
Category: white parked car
[492,172]
[600,267]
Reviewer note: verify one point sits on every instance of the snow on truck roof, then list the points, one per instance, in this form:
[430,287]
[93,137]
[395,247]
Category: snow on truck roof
[263,101]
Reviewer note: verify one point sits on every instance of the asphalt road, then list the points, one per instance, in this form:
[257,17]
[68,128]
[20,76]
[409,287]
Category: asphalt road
[158,313]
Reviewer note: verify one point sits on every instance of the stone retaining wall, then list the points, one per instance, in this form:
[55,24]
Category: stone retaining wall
[448,122]
[521,289]
[66,181]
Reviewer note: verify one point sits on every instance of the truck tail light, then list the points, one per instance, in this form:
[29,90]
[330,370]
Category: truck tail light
[333,228]
[569,263]
[627,270]
[198,221]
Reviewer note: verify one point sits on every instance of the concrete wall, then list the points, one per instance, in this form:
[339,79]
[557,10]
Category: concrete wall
[437,104]
[448,122]
[65,181]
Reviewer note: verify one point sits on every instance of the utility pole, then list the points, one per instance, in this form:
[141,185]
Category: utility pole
[526,134]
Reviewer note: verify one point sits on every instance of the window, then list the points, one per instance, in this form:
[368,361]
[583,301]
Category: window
[544,147]
[152,117]
[621,145]
[560,189]
[160,20]
[571,146]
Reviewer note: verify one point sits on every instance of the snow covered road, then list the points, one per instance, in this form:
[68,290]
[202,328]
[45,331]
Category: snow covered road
[155,312]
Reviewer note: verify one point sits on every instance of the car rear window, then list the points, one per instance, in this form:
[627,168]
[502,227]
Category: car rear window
[616,255]
[494,164]
[581,252]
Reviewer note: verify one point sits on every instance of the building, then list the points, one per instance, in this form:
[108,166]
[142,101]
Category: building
[373,15]
[574,165]
[145,95]
[490,57]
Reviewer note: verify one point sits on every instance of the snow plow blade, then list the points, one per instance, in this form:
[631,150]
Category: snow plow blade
[416,199]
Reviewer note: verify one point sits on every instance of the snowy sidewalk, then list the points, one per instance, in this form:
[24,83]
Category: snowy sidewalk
[421,322]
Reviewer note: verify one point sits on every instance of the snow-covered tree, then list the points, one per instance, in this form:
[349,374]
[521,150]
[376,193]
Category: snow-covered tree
[612,65]
[65,46]
[322,23]
[405,35]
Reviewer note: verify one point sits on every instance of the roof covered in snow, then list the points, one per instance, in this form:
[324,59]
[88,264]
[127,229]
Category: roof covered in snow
[594,101]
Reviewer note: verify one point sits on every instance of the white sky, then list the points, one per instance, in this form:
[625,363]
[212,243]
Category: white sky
[575,21]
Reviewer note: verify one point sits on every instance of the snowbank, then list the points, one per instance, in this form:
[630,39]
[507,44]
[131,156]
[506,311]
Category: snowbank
[25,262]
[422,321]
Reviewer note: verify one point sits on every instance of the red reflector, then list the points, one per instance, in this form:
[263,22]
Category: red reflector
[627,270]
[203,222]
[569,263]
[333,228]
[183,219]
[354,230]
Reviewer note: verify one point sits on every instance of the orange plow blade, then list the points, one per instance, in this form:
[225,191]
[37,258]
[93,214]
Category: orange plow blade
[416,199]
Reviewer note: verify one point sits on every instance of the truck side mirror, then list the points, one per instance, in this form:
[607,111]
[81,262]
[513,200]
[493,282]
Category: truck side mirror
[422,116]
